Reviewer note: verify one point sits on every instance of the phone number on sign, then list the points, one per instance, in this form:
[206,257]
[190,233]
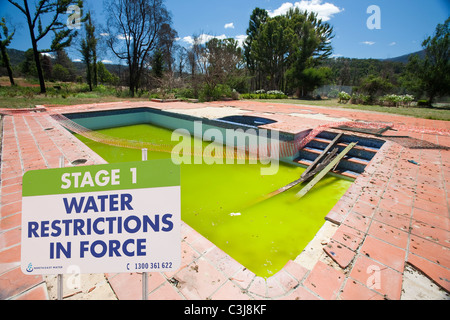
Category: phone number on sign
[149,265]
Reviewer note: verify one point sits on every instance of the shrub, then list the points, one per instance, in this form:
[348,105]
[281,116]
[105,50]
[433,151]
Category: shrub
[375,86]
[393,100]
[276,94]
[249,96]
[187,93]
[423,103]
[104,90]
[359,98]
[60,73]
[344,97]
[262,94]
[407,99]
[218,92]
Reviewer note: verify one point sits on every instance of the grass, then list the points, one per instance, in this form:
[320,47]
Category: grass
[15,103]
[27,95]
[440,112]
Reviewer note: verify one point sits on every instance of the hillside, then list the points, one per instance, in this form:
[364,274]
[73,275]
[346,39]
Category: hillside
[17,57]
[405,58]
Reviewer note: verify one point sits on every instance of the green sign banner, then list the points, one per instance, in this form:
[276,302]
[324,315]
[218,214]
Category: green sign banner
[110,177]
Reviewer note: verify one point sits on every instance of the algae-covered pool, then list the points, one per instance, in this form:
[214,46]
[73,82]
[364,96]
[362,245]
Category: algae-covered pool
[216,202]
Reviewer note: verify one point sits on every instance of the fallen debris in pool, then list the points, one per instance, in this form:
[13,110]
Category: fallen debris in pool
[413,162]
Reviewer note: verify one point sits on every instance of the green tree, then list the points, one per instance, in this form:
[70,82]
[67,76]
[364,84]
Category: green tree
[431,75]
[375,86]
[64,61]
[4,43]
[279,49]
[47,67]
[166,44]
[104,76]
[311,47]
[158,64]
[53,12]
[89,52]
[61,73]
[87,59]
[313,78]
[271,49]
[28,66]
[259,17]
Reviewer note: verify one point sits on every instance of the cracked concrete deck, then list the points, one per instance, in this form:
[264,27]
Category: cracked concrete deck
[392,223]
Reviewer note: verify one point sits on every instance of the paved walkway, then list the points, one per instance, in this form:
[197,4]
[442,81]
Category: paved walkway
[393,218]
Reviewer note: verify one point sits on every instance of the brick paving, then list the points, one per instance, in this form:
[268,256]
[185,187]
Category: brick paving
[396,213]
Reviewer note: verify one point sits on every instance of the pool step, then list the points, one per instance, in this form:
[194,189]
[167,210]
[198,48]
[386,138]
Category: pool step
[353,164]
[359,151]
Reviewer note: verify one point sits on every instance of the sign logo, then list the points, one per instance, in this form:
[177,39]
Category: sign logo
[30,267]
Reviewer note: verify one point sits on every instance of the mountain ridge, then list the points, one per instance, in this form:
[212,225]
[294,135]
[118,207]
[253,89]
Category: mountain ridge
[405,58]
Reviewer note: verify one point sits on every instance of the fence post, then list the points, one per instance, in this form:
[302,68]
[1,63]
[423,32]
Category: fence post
[60,284]
[144,274]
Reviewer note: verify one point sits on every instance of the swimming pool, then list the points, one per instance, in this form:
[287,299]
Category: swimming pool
[218,200]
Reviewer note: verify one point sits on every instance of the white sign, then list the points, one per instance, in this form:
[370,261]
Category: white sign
[108,218]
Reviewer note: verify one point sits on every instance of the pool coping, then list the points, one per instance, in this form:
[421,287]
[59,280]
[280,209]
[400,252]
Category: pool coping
[353,245]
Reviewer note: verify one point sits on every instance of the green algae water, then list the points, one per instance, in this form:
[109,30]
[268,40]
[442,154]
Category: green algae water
[216,201]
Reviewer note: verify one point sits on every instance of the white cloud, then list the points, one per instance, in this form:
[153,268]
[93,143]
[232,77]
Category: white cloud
[203,38]
[124,37]
[240,39]
[188,39]
[369,43]
[48,55]
[392,43]
[281,10]
[325,11]
[229,25]
[104,34]
[107,61]
[76,60]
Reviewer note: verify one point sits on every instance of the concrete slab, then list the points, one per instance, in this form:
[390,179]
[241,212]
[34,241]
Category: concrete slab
[416,286]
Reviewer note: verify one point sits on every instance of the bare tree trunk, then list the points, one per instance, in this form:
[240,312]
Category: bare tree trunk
[35,50]
[7,64]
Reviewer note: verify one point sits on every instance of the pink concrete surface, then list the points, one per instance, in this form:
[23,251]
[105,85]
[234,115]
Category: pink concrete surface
[396,213]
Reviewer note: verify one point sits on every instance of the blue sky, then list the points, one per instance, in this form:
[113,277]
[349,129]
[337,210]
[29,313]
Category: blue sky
[404,23]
